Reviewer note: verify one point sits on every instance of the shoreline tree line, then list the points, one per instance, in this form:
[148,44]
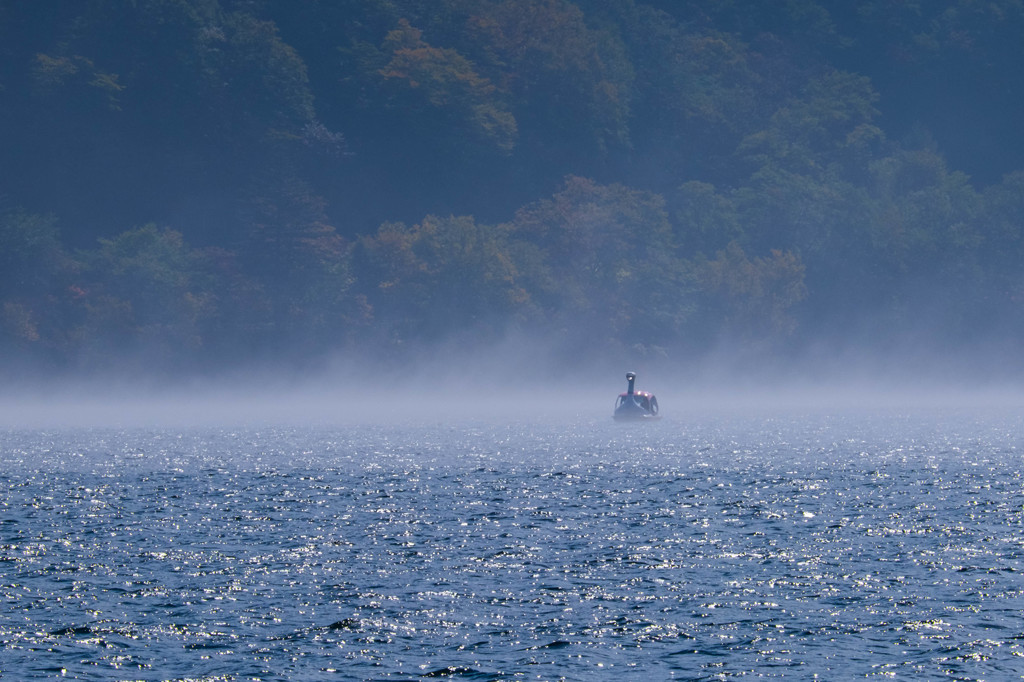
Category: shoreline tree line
[190,185]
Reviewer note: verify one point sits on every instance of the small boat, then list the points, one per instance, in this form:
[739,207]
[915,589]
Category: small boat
[635,405]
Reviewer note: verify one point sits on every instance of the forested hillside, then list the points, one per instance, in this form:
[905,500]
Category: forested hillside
[201,185]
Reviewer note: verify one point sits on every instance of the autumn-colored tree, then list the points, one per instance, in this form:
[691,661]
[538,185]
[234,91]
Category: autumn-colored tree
[53,74]
[304,266]
[830,123]
[705,220]
[139,294]
[614,276]
[925,223]
[36,283]
[565,77]
[1001,224]
[752,299]
[442,276]
[443,80]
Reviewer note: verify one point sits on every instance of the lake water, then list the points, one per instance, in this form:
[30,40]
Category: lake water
[810,546]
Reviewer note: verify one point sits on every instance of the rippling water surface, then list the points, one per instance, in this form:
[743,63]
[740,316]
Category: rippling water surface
[703,548]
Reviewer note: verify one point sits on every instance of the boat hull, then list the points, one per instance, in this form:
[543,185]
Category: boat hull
[636,417]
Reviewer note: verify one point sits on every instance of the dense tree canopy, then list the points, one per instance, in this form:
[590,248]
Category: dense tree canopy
[191,185]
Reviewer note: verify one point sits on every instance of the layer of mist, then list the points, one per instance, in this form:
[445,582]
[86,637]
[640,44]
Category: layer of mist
[512,384]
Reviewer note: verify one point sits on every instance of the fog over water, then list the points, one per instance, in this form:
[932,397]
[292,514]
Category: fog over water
[520,379]
[465,391]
